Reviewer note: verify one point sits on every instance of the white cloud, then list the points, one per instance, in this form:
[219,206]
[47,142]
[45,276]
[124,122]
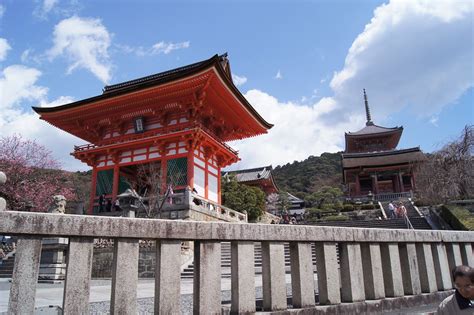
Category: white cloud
[158,48]
[434,120]
[48,5]
[57,102]
[299,131]
[17,83]
[18,87]
[84,42]
[238,80]
[2,11]
[44,8]
[166,48]
[4,48]
[412,53]
[278,76]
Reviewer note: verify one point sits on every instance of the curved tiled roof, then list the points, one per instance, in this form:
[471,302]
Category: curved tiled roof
[251,174]
[161,78]
[371,129]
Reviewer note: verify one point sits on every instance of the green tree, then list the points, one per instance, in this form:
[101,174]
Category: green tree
[324,195]
[242,198]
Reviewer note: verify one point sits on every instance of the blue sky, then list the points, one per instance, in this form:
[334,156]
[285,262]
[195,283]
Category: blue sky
[301,64]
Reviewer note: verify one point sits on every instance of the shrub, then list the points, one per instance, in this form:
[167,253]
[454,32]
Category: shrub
[338,205]
[348,207]
[367,207]
[336,218]
[458,217]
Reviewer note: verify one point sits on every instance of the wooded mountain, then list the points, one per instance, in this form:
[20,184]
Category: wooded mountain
[308,176]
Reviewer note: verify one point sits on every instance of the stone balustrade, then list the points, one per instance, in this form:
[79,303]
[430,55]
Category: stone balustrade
[188,200]
[358,270]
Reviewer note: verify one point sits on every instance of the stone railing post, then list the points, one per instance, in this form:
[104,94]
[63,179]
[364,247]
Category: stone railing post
[188,196]
[426,267]
[78,276]
[466,254]
[243,277]
[124,284]
[167,272]
[410,270]
[454,256]
[302,275]
[373,274]
[391,269]
[273,276]
[25,275]
[207,277]
[352,276]
[328,273]
[441,266]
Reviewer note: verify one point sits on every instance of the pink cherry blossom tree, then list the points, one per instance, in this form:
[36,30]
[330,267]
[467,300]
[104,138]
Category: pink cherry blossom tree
[33,175]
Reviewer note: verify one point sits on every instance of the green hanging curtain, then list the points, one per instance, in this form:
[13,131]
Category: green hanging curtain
[105,181]
[177,172]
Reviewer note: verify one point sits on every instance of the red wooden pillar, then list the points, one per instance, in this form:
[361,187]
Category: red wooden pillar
[357,185]
[394,184]
[93,191]
[219,197]
[116,182]
[206,177]
[190,162]
[400,182]
[164,166]
[375,184]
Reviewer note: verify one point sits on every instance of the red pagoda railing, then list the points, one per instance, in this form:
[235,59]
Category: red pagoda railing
[163,132]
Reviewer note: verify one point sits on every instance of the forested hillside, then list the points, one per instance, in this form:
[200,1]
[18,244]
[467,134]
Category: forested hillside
[308,176]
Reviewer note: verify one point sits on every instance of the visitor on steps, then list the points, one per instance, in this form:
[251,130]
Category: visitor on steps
[391,210]
[462,301]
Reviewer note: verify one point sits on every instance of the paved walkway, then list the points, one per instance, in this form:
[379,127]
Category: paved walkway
[52,294]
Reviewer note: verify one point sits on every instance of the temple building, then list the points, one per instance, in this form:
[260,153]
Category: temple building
[262,177]
[372,164]
[175,122]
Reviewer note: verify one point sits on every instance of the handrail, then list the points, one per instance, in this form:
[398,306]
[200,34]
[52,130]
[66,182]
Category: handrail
[407,222]
[382,210]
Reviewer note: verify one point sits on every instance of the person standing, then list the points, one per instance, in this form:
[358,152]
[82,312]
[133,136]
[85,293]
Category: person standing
[101,203]
[462,301]
[391,210]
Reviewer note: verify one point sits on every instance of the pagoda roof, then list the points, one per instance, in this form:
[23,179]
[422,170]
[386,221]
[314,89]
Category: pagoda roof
[372,129]
[293,199]
[71,117]
[392,157]
[251,174]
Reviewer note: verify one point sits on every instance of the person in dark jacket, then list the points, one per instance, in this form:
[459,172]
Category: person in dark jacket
[462,301]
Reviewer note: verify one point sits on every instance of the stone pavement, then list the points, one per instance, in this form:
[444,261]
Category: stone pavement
[52,294]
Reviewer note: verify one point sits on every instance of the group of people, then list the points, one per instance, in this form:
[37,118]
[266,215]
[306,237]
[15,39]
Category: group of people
[396,210]
[105,204]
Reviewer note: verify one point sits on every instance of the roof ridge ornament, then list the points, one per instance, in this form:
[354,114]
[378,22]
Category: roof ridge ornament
[367,111]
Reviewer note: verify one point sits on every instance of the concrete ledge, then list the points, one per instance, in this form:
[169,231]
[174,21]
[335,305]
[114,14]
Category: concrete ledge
[373,307]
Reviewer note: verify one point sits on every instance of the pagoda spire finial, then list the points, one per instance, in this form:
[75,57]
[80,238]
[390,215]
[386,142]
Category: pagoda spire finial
[367,111]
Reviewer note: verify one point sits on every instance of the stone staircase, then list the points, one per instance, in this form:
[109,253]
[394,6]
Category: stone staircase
[418,222]
[187,273]
[6,267]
